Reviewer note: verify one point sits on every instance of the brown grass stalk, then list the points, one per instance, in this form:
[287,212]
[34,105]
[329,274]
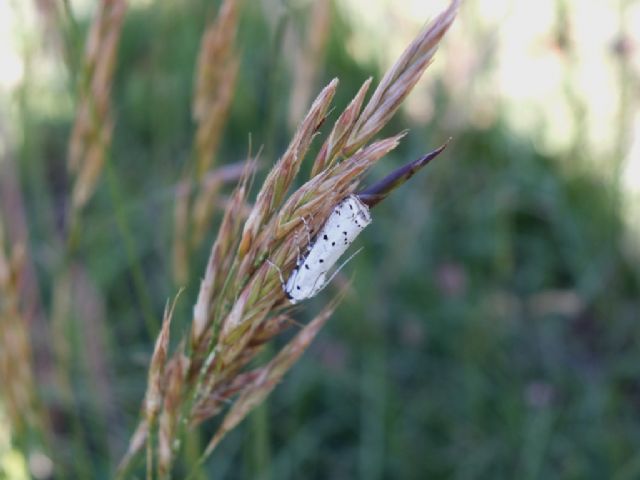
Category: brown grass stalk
[241,304]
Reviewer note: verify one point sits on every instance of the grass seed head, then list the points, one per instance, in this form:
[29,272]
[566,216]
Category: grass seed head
[284,172]
[91,133]
[241,304]
[400,79]
[266,378]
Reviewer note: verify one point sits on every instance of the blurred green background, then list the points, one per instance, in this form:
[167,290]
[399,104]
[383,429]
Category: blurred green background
[492,329]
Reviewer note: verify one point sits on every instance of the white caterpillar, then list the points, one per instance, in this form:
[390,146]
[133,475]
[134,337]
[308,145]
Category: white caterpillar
[344,224]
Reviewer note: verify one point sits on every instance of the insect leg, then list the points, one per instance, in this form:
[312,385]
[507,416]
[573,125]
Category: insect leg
[299,254]
[282,282]
[304,220]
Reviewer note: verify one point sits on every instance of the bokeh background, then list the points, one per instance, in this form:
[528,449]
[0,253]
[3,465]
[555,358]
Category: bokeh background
[492,329]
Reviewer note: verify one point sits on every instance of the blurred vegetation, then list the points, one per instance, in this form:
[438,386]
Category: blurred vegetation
[492,327]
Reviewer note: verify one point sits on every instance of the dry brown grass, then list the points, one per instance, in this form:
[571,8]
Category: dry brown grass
[241,304]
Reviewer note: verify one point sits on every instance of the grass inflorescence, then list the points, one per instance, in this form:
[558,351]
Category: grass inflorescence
[241,305]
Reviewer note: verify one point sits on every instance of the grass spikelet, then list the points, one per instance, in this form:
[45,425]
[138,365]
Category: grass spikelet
[169,417]
[216,49]
[332,148]
[266,379]
[216,401]
[222,254]
[282,175]
[155,391]
[400,79]
[216,72]
[91,134]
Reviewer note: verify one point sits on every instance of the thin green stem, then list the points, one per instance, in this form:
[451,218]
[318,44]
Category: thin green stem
[137,275]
